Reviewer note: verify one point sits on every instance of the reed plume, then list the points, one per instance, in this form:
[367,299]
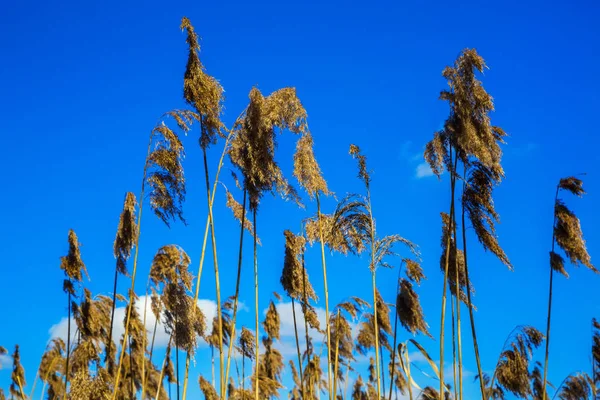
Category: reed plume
[270,366]
[17,376]
[380,250]
[567,234]
[124,242]
[253,153]
[578,386]
[342,337]
[511,373]
[52,367]
[295,283]
[163,174]
[469,137]
[205,94]
[72,266]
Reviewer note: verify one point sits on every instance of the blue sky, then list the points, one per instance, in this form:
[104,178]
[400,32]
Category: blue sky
[83,84]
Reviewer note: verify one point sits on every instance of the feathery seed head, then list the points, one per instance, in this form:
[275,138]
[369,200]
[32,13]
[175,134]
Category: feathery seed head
[126,233]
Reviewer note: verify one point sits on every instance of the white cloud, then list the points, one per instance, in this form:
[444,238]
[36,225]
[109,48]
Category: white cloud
[5,361]
[208,307]
[423,170]
[286,318]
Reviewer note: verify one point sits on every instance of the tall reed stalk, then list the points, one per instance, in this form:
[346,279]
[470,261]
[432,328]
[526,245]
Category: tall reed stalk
[567,234]
[135,258]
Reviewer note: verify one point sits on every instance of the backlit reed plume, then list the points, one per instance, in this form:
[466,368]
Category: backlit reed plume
[578,386]
[358,392]
[124,242]
[72,266]
[374,333]
[170,269]
[380,250]
[270,364]
[224,323]
[239,213]
[132,366]
[163,174]
[469,137]
[52,368]
[315,383]
[92,317]
[295,283]
[17,377]
[345,313]
[205,94]
[408,306]
[253,153]
[245,346]
[207,389]
[567,234]
[89,387]
[308,173]
[429,393]
[409,312]
[512,372]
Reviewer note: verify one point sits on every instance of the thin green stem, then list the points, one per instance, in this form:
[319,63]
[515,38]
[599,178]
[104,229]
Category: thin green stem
[323,263]
[550,286]
[133,271]
[298,348]
[257,349]
[445,285]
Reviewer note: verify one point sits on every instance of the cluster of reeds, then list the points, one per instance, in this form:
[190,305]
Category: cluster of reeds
[98,365]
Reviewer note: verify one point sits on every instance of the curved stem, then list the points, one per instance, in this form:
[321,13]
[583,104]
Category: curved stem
[217,279]
[337,347]
[323,263]
[469,305]
[211,197]
[68,343]
[298,348]
[373,278]
[410,394]
[112,319]
[446,265]
[162,370]
[304,307]
[237,287]
[458,303]
[144,374]
[394,350]
[134,268]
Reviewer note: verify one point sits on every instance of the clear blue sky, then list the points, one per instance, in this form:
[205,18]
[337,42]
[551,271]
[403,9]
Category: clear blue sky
[82,84]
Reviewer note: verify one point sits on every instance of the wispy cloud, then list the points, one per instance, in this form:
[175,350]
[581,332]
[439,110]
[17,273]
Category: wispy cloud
[411,156]
[423,171]
[5,361]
